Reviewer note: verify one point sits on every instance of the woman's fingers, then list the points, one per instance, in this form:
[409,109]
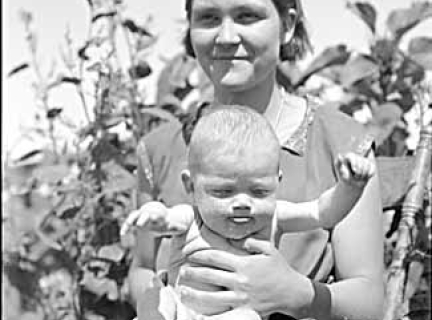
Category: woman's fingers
[215,259]
[216,277]
[218,300]
[237,314]
[259,246]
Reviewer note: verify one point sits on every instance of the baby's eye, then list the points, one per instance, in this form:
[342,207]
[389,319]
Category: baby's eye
[260,193]
[221,193]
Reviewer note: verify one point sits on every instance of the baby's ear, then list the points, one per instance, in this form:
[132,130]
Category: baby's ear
[187,181]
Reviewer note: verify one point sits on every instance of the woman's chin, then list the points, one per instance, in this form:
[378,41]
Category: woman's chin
[234,83]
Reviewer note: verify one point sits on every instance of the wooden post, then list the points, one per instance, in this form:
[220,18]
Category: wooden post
[395,290]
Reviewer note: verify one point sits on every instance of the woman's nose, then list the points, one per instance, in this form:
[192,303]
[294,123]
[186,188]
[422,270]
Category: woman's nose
[227,34]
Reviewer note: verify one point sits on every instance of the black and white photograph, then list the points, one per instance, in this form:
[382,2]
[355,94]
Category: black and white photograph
[216,159]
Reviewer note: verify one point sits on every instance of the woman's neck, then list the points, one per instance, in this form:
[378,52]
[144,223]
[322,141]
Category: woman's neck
[284,112]
[265,98]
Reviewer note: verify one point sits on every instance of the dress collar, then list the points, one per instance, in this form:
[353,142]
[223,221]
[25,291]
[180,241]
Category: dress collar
[297,142]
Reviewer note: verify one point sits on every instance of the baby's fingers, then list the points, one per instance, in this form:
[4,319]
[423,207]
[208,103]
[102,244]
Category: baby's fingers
[143,219]
[361,168]
[130,222]
[343,167]
[368,169]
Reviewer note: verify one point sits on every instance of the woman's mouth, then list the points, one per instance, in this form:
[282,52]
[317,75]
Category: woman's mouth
[229,58]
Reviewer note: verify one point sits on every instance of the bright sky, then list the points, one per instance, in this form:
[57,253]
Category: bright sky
[329,21]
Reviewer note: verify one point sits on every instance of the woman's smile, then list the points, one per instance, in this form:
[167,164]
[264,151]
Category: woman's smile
[245,34]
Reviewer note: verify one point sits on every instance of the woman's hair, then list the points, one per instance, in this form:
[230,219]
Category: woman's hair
[294,50]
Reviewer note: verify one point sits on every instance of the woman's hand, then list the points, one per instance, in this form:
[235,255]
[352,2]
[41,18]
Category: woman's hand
[262,281]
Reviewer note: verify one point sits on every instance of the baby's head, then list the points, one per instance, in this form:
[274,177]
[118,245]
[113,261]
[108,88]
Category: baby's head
[233,171]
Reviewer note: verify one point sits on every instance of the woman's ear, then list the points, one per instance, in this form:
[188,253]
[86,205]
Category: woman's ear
[187,181]
[280,175]
[289,25]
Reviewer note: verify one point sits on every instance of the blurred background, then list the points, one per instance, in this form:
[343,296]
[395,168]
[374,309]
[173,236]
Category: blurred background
[330,23]
[83,80]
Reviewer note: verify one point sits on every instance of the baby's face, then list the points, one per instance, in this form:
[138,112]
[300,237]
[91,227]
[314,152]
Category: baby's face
[236,194]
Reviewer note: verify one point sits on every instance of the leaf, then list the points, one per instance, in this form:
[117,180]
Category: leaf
[82,51]
[394,176]
[133,27]
[401,21]
[335,55]
[33,157]
[113,253]
[287,73]
[384,50]
[367,88]
[72,80]
[350,107]
[53,113]
[118,179]
[140,70]
[104,151]
[158,113]
[385,119]
[100,286]
[108,14]
[359,68]
[17,69]
[70,213]
[420,50]
[366,12]
[52,174]
[112,121]
[67,204]
[411,69]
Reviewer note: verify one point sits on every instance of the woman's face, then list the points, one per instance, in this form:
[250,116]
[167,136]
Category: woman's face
[237,42]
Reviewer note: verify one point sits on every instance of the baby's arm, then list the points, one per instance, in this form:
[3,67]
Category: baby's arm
[334,204]
[157,218]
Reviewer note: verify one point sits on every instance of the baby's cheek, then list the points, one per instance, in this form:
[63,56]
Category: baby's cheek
[266,209]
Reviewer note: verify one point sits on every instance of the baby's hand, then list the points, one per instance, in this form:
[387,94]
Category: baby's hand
[151,216]
[354,169]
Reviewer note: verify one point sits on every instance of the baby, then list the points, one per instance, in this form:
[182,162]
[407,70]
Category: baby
[232,177]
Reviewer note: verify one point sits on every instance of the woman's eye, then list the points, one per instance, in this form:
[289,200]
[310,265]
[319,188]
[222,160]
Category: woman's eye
[247,17]
[206,19]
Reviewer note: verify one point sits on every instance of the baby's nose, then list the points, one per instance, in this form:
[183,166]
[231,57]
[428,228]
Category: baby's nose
[242,202]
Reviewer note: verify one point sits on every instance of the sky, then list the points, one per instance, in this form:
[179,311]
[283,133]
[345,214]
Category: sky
[330,23]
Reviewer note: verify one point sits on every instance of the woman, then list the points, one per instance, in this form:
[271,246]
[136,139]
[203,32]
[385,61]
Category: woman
[239,44]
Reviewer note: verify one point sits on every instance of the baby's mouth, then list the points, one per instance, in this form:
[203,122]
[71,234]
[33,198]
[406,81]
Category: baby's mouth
[241,219]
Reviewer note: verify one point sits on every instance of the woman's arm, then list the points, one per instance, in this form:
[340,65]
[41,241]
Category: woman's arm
[359,249]
[358,244]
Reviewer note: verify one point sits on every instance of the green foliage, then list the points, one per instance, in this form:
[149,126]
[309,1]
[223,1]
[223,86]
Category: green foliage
[387,80]
[65,207]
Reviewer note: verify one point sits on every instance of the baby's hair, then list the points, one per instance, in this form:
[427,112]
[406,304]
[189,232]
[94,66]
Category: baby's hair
[229,129]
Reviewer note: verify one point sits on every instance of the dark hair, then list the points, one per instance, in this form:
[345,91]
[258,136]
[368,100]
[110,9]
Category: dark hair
[294,50]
